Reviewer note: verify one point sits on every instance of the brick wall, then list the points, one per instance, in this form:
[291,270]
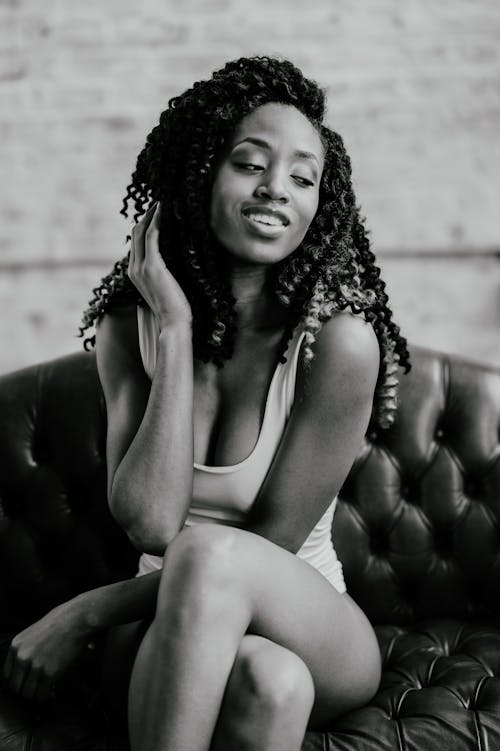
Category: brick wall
[414,88]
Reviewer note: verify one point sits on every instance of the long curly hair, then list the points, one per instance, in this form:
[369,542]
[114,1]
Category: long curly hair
[333,268]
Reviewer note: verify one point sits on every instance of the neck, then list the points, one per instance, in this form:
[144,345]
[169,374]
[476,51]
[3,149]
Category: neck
[256,305]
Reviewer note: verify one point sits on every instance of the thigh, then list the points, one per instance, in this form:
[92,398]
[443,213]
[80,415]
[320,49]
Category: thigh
[295,606]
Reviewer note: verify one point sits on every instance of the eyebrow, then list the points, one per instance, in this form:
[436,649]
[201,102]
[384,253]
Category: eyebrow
[265,145]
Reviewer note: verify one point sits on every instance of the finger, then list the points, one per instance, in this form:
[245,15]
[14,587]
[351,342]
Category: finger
[147,217]
[152,217]
[30,684]
[131,257]
[157,213]
[157,216]
[17,677]
[155,208]
[8,664]
[138,234]
[45,689]
[138,241]
[152,235]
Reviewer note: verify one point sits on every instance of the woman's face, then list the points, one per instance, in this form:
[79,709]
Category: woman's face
[266,189]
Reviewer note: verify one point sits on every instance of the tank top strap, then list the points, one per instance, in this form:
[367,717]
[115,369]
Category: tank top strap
[288,375]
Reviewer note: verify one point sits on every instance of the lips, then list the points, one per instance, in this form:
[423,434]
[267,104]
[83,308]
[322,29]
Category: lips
[266,216]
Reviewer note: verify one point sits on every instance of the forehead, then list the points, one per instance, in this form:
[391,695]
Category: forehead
[282,125]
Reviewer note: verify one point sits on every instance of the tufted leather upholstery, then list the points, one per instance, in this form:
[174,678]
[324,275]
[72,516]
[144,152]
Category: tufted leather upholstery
[417,529]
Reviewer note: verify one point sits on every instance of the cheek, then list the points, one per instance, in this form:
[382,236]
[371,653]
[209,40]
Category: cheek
[221,188]
[314,206]
[221,218]
[214,213]
[309,213]
[216,206]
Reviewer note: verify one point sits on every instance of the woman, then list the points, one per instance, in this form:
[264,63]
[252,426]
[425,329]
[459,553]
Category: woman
[244,347]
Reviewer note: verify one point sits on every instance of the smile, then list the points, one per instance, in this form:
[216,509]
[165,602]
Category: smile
[266,215]
[265,222]
[262,226]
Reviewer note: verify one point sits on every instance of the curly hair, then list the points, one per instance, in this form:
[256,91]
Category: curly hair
[333,268]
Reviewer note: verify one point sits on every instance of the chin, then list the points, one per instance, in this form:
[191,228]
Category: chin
[255,250]
[257,254]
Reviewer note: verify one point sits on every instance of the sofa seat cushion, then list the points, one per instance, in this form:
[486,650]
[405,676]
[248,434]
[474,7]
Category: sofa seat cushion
[74,720]
[63,725]
[440,689]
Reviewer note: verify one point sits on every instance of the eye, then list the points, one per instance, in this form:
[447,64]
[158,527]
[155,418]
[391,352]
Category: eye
[250,167]
[303,181]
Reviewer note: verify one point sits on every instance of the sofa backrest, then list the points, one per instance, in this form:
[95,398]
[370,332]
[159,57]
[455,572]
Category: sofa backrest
[57,537]
[416,527]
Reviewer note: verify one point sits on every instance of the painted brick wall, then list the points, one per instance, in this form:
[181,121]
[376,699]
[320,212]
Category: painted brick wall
[414,88]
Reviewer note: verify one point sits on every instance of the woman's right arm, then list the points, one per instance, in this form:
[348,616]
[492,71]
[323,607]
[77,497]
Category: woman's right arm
[43,651]
[149,446]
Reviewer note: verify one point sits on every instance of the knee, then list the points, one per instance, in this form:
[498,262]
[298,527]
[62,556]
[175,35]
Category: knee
[272,680]
[206,551]
[200,571]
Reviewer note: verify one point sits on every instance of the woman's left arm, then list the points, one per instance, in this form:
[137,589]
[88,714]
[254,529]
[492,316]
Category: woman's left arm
[324,433]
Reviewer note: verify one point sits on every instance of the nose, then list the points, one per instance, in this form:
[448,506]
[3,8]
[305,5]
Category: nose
[272,187]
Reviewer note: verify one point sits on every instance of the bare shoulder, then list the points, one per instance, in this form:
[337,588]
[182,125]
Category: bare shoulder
[330,414]
[349,336]
[346,359]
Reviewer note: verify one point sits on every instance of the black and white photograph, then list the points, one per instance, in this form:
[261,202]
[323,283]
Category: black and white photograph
[250,375]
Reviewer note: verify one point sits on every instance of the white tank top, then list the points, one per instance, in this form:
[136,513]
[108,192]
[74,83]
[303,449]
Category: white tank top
[225,494]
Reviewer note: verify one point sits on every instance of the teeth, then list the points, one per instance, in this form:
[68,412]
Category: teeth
[275,221]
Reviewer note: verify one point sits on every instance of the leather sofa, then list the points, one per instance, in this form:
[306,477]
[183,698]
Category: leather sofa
[417,528]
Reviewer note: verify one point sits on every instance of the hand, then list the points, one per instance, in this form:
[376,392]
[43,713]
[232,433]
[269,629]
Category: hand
[148,272]
[42,652]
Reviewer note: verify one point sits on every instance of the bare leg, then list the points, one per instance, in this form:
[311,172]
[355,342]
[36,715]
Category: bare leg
[268,700]
[191,644]
[217,585]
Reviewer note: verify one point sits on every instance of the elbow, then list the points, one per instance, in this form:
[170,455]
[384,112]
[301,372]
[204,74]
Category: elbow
[152,540]
[146,535]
